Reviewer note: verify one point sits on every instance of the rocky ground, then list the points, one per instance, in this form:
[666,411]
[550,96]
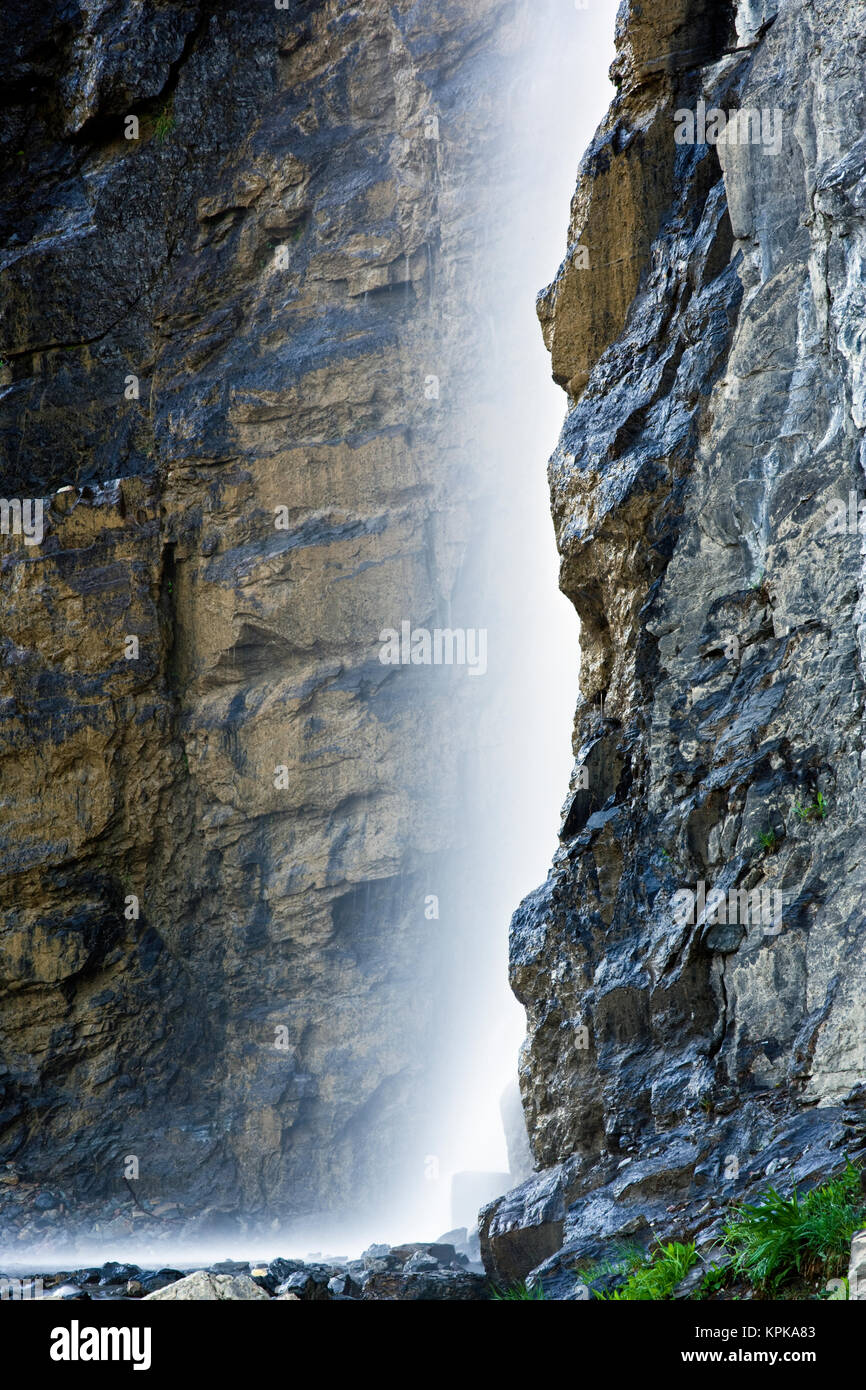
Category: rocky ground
[441,1270]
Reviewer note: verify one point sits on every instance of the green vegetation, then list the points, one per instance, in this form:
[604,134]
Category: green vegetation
[165,124]
[780,1238]
[781,1247]
[519,1292]
[625,1258]
[713,1281]
[656,1281]
[767,839]
[817,811]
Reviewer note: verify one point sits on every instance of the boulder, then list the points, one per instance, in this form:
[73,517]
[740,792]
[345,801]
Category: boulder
[440,1285]
[522,1229]
[203,1285]
[310,1283]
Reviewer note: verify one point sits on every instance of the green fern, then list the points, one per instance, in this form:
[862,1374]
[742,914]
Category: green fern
[779,1237]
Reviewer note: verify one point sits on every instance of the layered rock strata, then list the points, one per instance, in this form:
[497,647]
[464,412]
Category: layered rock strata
[239,322]
[684,1050]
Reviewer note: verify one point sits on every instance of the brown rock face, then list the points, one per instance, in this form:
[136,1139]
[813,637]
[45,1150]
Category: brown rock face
[238,330]
[626,183]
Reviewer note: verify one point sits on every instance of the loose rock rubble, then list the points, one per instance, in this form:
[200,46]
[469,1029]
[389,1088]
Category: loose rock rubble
[432,1271]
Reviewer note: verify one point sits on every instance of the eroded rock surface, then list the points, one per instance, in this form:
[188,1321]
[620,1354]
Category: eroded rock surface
[234,347]
[714,438]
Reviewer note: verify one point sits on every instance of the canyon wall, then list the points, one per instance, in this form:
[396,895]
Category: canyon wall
[681,1053]
[239,327]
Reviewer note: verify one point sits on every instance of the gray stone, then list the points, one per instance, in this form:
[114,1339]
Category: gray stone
[717,409]
[441,1285]
[520,1230]
[203,1285]
[420,1262]
[309,1283]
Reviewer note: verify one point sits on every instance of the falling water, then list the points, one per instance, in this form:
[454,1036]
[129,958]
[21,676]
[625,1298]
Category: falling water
[523,757]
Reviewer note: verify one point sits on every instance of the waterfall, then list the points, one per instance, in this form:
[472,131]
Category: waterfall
[522,724]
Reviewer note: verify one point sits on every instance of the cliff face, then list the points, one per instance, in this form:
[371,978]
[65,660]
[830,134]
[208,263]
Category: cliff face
[713,355]
[238,328]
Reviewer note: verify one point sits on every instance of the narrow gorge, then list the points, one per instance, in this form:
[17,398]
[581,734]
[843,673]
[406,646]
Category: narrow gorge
[287,688]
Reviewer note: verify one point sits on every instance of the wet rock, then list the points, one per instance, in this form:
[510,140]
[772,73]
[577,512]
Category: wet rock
[280,1269]
[65,1293]
[420,1263]
[376,1253]
[309,1283]
[204,1285]
[344,1286]
[152,1283]
[713,428]
[466,1243]
[442,1285]
[520,1230]
[380,1259]
[112,1273]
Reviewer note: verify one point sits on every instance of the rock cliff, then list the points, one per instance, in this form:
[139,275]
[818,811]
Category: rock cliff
[682,1046]
[247,258]
[238,330]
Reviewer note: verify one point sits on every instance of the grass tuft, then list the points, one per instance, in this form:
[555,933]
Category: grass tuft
[654,1282]
[817,810]
[519,1293]
[165,124]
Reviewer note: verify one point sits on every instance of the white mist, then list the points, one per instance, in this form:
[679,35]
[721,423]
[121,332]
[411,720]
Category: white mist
[524,756]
